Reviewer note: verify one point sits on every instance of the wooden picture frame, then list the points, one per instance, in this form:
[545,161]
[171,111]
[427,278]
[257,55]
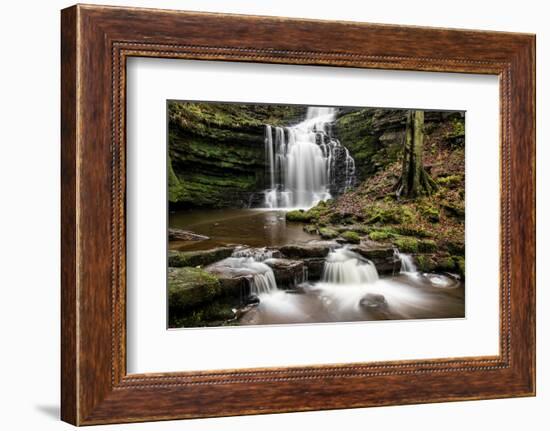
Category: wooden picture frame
[95,43]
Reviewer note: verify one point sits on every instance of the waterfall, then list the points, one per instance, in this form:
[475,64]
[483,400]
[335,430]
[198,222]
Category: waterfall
[260,276]
[263,282]
[344,266]
[407,263]
[304,162]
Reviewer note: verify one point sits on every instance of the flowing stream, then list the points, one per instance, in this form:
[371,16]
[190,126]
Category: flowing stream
[351,290]
[304,162]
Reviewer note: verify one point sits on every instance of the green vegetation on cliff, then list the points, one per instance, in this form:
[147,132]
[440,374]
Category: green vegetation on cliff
[216,151]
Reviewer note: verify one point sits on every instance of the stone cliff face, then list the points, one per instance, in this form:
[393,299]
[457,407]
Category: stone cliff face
[374,136]
[216,151]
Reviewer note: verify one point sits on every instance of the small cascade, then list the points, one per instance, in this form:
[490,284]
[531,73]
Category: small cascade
[407,263]
[263,282]
[304,162]
[344,266]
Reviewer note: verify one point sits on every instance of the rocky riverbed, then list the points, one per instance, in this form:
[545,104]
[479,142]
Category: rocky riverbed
[238,284]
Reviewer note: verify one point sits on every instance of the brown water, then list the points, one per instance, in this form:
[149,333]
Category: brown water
[255,228]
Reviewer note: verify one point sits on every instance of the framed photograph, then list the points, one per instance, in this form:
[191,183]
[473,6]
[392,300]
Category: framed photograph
[323,214]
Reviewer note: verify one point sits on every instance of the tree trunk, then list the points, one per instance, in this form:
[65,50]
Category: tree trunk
[414,178]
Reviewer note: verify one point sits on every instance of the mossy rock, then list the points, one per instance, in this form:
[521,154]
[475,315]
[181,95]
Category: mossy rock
[460,265]
[310,228]
[407,244]
[408,230]
[328,233]
[302,216]
[351,237]
[445,264]
[455,247]
[217,314]
[190,287]
[198,258]
[427,246]
[425,263]
[382,234]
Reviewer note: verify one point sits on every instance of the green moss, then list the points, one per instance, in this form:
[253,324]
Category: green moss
[410,230]
[457,128]
[199,257]
[386,213]
[446,263]
[427,246]
[429,211]
[449,180]
[310,228]
[328,233]
[299,216]
[455,247]
[407,244]
[382,234]
[190,287]
[460,265]
[210,315]
[425,263]
[352,237]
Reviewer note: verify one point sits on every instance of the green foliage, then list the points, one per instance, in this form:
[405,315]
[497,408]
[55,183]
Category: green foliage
[351,236]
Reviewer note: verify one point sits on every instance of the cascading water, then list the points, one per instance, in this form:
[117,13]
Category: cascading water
[407,263]
[344,266]
[305,162]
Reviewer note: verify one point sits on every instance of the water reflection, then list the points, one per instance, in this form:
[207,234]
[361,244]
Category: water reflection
[256,228]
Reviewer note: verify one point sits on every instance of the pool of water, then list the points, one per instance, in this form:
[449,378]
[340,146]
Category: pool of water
[255,228]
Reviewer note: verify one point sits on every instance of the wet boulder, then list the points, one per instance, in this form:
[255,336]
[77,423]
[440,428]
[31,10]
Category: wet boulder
[199,257]
[373,301]
[288,272]
[382,255]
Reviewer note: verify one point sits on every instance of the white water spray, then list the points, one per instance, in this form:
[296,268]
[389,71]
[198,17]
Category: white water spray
[344,266]
[302,161]
[407,263]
